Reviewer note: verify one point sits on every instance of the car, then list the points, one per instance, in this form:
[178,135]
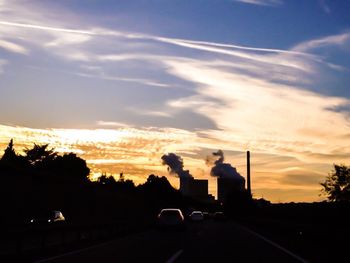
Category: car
[47,217]
[171,218]
[219,216]
[206,215]
[197,216]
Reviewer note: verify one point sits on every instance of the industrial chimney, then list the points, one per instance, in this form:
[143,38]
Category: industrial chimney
[248,174]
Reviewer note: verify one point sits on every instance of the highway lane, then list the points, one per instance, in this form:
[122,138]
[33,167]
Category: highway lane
[209,241]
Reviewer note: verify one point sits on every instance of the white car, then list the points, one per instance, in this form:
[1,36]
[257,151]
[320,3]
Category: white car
[197,216]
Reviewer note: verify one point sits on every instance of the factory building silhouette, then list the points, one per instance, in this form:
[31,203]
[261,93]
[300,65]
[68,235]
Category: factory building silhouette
[194,188]
[225,185]
[198,189]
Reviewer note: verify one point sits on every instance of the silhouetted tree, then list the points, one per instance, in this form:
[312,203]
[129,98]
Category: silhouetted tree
[337,184]
[160,193]
[11,159]
[121,184]
[126,184]
[106,180]
[39,154]
[9,154]
[158,184]
[121,177]
[72,167]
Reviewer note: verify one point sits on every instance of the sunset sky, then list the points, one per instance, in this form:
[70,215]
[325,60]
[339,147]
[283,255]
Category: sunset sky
[121,83]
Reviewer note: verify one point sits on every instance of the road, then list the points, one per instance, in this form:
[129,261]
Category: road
[209,241]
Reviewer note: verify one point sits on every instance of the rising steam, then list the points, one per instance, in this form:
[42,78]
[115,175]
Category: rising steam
[175,165]
[221,169]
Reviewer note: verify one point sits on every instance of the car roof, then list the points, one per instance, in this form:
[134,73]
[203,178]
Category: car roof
[170,209]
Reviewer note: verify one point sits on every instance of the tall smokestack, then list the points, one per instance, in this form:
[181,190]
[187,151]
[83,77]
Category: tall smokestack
[248,174]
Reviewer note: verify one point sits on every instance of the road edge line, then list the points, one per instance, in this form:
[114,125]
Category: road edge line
[72,252]
[275,244]
[175,256]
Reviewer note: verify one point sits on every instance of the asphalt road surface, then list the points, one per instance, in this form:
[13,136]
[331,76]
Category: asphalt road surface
[208,241]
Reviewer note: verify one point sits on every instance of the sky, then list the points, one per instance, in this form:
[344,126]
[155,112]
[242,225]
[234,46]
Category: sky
[121,83]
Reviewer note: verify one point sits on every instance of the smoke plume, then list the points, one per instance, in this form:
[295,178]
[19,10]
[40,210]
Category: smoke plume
[224,170]
[175,165]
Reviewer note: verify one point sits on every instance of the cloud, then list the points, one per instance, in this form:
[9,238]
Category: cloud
[333,40]
[112,124]
[153,113]
[46,28]
[103,76]
[261,2]
[80,45]
[202,44]
[192,102]
[302,177]
[218,48]
[267,115]
[72,36]
[13,47]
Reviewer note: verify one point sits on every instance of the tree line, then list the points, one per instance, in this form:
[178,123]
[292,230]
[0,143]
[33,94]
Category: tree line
[42,179]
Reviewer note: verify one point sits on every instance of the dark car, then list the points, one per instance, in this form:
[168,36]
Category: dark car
[196,216]
[206,215]
[171,218]
[47,217]
[219,216]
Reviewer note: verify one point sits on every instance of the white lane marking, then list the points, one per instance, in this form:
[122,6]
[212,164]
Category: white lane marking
[275,245]
[175,256]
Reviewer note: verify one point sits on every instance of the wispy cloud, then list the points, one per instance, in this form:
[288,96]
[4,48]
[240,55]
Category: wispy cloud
[225,49]
[154,113]
[333,40]
[103,76]
[46,28]
[257,111]
[112,124]
[178,41]
[13,47]
[261,2]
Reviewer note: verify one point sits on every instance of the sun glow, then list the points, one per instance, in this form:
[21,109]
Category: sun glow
[91,136]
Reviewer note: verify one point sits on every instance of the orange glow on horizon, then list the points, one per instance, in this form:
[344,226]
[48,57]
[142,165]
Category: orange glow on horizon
[136,153]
